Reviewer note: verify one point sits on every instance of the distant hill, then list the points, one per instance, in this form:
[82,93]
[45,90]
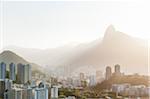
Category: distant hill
[114,48]
[9,56]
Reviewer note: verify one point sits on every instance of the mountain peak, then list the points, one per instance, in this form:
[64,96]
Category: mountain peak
[113,35]
[8,52]
[110,28]
[110,32]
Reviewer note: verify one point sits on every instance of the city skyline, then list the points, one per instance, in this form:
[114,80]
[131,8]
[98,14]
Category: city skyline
[121,84]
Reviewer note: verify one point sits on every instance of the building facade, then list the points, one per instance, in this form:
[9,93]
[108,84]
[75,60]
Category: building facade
[108,73]
[12,71]
[2,70]
[23,73]
[41,93]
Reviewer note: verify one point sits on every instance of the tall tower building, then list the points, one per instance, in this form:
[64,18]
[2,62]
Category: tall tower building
[29,73]
[19,73]
[23,73]
[117,70]
[2,70]
[12,73]
[108,72]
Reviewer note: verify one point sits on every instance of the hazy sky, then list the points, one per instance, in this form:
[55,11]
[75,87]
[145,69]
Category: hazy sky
[49,24]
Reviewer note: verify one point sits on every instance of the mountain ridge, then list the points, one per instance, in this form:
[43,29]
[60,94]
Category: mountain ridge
[115,48]
[8,57]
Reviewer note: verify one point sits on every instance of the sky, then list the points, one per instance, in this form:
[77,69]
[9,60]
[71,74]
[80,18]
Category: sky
[49,24]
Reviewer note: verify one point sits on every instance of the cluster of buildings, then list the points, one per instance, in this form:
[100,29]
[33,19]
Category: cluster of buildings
[89,80]
[130,90]
[125,89]
[81,80]
[109,72]
[16,83]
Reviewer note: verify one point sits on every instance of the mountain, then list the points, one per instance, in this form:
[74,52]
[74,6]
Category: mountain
[9,56]
[52,57]
[114,48]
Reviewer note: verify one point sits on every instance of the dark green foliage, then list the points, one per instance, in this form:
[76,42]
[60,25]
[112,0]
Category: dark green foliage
[131,79]
[7,74]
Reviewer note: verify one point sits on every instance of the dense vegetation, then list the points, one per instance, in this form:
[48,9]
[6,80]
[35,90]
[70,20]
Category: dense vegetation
[100,90]
[131,79]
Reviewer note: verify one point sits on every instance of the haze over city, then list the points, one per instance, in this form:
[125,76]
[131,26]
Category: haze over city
[74,49]
[74,27]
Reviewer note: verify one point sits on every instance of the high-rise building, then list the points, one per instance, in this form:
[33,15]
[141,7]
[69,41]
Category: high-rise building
[108,72]
[41,93]
[8,84]
[117,70]
[29,72]
[19,73]
[13,94]
[54,92]
[27,93]
[92,80]
[2,70]
[23,73]
[2,88]
[19,93]
[12,71]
